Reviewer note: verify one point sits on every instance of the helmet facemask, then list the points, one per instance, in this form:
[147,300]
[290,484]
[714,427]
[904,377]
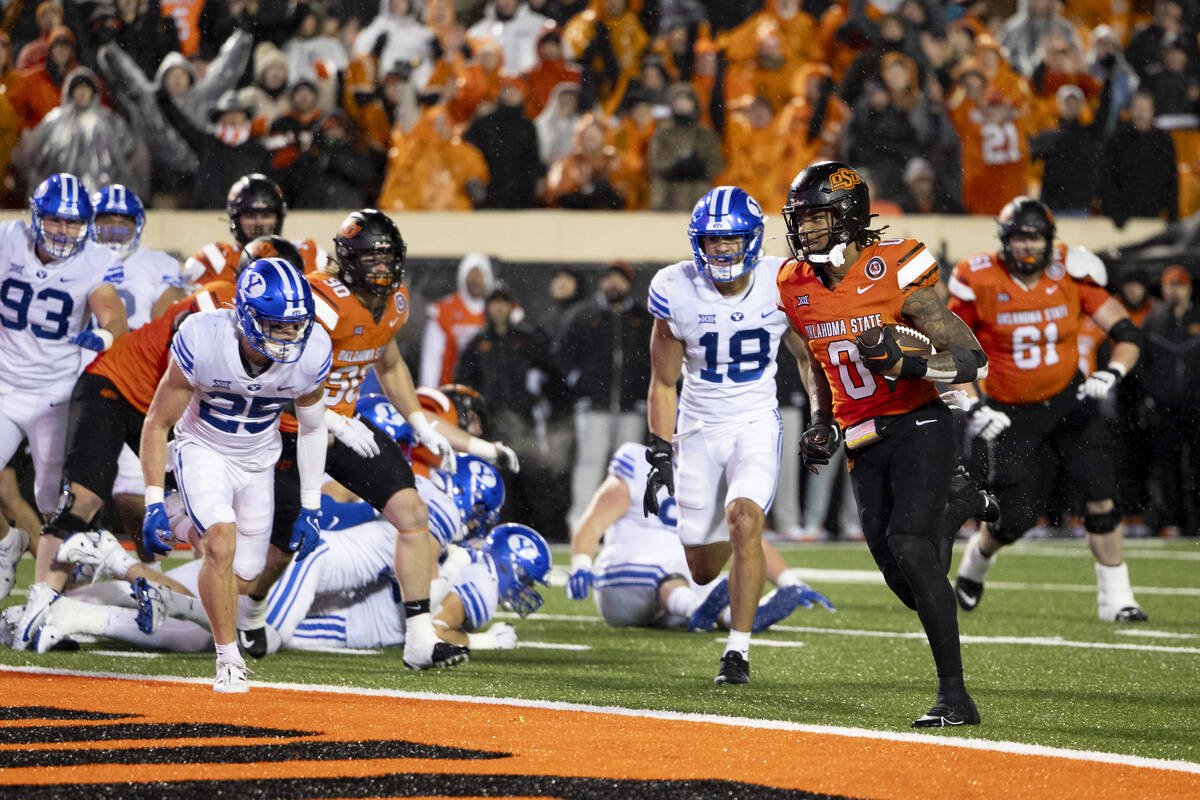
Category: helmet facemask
[378,272]
[1023,259]
[59,245]
[516,589]
[122,237]
[725,266]
[276,338]
[814,243]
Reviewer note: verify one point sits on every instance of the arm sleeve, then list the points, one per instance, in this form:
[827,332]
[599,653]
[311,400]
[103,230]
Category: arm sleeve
[311,442]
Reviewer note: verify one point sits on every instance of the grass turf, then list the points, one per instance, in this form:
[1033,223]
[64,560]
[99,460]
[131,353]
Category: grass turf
[1034,685]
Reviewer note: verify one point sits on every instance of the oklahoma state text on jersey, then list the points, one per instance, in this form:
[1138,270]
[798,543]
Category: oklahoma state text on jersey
[870,295]
[137,361]
[1030,335]
[217,261]
[358,340]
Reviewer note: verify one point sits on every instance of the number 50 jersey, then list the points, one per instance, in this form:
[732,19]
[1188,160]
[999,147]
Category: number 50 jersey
[231,412]
[730,343]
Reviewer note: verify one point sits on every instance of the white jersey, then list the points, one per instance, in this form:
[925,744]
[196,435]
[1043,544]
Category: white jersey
[230,412]
[730,342]
[633,528]
[42,306]
[445,520]
[148,273]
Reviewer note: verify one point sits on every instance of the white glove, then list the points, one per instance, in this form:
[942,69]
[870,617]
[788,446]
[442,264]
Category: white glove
[956,398]
[987,423]
[352,433]
[506,457]
[1098,384]
[505,635]
[435,441]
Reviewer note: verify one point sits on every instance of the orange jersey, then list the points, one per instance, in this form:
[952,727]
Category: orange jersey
[1030,335]
[358,340]
[871,294]
[995,159]
[450,324]
[217,261]
[137,361]
[186,14]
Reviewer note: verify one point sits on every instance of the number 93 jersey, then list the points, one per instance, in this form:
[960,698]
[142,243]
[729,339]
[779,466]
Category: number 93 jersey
[230,412]
[42,306]
[730,343]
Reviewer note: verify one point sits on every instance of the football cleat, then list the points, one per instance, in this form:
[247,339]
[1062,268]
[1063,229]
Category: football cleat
[991,507]
[253,641]
[443,654]
[1131,614]
[704,618]
[37,603]
[734,669]
[949,715]
[152,605]
[51,637]
[90,549]
[231,678]
[11,549]
[776,607]
[968,593]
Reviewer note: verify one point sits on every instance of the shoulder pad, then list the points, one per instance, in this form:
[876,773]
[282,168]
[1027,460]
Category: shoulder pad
[1083,264]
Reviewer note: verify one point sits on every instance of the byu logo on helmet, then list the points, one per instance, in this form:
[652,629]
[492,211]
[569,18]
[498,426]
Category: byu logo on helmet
[724,215]
[255,285]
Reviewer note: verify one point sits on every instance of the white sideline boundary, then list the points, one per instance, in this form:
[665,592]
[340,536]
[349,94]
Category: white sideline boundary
[1016,748]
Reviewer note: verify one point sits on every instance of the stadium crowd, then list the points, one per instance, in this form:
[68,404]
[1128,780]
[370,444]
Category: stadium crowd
[636,104]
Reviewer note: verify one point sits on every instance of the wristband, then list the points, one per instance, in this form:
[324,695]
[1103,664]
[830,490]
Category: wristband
[1119,368]
[105,336]
[580,561]
[153,494]
[310,499]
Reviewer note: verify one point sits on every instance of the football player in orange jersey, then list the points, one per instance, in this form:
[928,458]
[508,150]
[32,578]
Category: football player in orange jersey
[256,208]
[1026,304]
[361,301]
[841,291]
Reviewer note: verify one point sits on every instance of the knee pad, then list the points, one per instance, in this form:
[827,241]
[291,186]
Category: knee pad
[1103,522]
[62,520]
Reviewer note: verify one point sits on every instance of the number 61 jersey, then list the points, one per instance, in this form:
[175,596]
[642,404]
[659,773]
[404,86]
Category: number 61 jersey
[730,343]
[231,412]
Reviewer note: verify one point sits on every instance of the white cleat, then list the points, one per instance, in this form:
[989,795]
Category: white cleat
[231,678]
[11,550]
[152,604]
[98,550]
[36,605]
[48,636]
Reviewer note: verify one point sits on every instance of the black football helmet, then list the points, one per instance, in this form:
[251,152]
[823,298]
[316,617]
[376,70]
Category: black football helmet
[471,407]
[365,240]
[254,192]
[1031,217]
[270,247]
[826,186]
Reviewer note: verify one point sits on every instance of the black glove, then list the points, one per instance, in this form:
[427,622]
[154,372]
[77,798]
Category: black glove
[820,442]
[878,356]
[662,473]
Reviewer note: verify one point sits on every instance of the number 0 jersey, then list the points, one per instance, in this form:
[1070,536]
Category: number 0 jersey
[730,343]
[42,306]
[231,412]
[1030,334]
[870,295]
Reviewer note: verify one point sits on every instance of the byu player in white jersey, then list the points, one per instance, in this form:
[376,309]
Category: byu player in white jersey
[718,323]
[641,575]
[152,281]
[53,281]
[231,373]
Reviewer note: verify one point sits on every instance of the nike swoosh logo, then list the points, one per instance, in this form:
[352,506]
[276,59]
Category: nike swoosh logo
[866,288]
[767,314]
[332,522]
[1052,290]
[244,639]
[966,599]
[925,421]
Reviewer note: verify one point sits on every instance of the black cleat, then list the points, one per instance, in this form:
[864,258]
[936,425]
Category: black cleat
[949,714]
[1131,614]
[734,669]
[991,507]
[253,642]
[967,592]
[444,655]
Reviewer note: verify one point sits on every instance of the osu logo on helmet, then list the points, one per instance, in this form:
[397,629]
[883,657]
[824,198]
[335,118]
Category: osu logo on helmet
[844,179]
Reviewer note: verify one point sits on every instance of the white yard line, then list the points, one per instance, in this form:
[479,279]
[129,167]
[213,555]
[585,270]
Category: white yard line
[871,576]
[554,646]
[1018,748]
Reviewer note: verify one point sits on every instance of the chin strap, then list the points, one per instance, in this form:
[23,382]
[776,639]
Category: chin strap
[836,256]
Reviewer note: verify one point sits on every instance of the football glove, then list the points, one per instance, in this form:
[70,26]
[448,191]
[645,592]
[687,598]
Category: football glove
[879,356]
[436,442]
[506,457]
[156,531]
[987,423]
[808,596]
[352,433]
[580,583]
[91,340]
[820,442]
[306,534]
[1098,384]
[662,473]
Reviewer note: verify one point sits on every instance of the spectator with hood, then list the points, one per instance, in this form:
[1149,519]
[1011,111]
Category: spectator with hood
[452,320]
[591,176]
[516,28]
[796,29]
[556,124]
[38,90]
[144,33]
[396,35]
[49,15]
[550,70]
[432,168]
[85,139]
[684,155]
[268,95]
[1024,32]
[810,125]
[509,143]
[313,54]
[607,40]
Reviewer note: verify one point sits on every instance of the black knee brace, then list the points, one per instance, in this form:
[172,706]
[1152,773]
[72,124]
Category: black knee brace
[62,520]
[1103,522]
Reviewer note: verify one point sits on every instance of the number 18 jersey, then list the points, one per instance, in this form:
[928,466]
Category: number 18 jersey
[730,343]
[231,412]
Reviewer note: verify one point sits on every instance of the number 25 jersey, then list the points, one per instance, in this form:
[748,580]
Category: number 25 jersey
[231,412]
[870,295]
[730,343]
[1030,334]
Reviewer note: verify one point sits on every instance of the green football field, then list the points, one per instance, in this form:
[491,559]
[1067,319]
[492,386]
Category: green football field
[1041,666]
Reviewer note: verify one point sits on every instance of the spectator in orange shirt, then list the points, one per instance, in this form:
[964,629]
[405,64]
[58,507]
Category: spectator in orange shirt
[432,168]
[796,30]
[478,85]
[592,175]
[1061,65]
[38,90]
[1000,75]
[810,125]
[768,74]
[550,70]
[708,77]
[451,321]
[607,40]
[995,154]
[49,15]
[754,153]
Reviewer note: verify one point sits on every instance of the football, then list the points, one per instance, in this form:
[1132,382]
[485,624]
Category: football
[911,340]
